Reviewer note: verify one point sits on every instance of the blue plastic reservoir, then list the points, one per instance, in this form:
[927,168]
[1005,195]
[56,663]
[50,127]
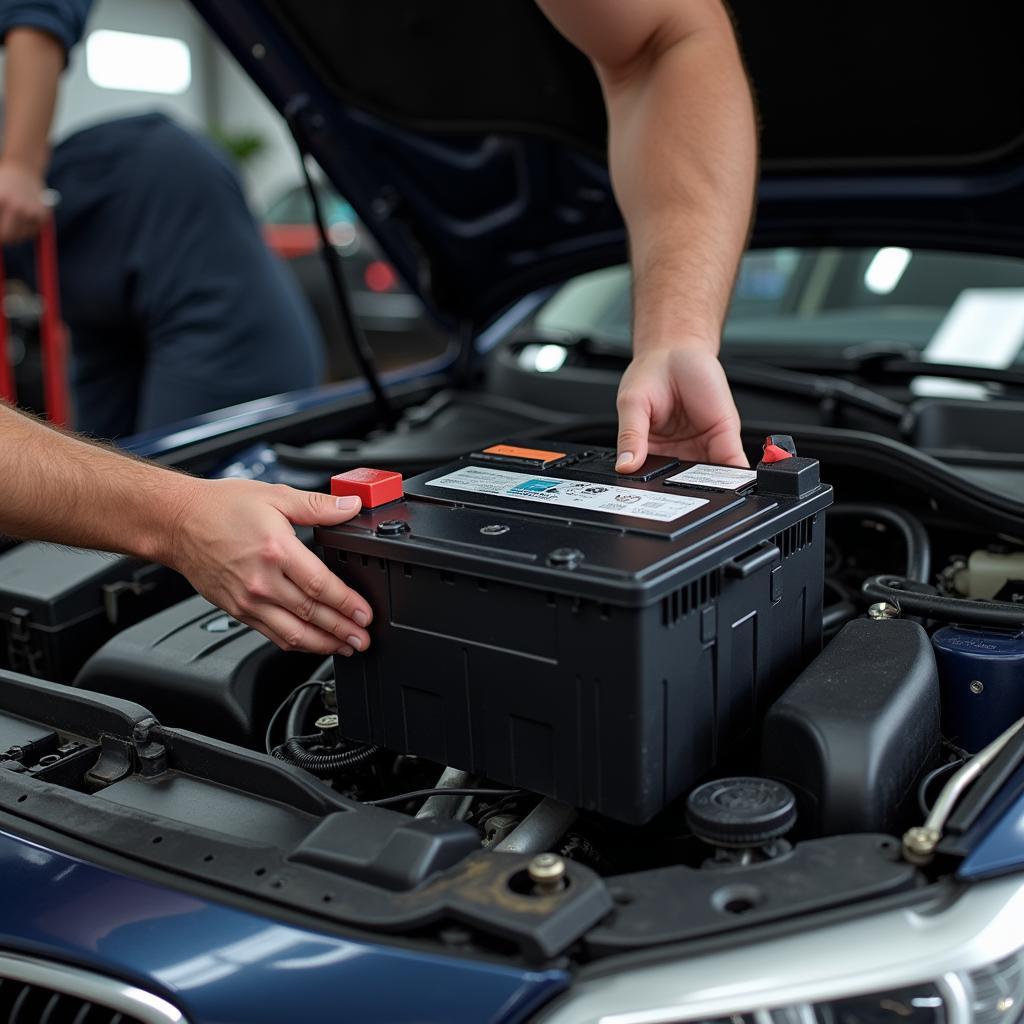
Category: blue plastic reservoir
[982,676]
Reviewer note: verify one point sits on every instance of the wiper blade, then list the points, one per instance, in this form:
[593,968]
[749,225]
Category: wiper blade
[904,367]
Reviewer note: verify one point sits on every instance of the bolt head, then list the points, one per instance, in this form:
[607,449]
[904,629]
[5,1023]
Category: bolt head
[565,558]
[919,844]
[494,529]
[392,528]
[883,610]
[327,722]
[546,868]
[977,686]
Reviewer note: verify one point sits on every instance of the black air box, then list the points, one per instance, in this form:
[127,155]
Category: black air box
[58,604]
[598,639]
[853,735]
[196,668]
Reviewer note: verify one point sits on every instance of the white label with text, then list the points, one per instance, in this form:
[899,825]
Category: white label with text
[726,478]
[550,490]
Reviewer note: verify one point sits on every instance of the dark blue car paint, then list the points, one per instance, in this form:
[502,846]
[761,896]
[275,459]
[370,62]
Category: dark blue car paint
[996,842]
[220,965]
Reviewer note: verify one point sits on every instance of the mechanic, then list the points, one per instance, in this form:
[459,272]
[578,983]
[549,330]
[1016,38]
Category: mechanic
[175,305]
[232,539]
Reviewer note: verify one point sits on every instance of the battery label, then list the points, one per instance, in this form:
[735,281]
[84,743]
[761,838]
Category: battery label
[549,490]
[726,478]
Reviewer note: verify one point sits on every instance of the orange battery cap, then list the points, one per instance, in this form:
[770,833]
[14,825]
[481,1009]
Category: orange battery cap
[373,487]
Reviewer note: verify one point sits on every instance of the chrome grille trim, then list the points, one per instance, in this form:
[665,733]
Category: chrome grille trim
[110,993]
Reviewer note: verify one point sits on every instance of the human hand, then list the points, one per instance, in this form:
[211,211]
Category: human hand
[234,541]
[676,401]
[23,210]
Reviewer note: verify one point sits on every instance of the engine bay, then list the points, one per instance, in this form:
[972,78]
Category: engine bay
[680,704]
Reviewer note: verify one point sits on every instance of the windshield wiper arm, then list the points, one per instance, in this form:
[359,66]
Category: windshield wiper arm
[813,386]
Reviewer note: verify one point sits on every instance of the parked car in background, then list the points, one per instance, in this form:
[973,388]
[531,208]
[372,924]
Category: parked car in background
[391,315]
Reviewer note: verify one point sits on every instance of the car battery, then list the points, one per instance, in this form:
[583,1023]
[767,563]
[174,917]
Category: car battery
[554,626]
[58,605]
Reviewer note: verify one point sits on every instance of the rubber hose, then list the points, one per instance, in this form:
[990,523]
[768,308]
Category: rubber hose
[294,752]
[895,591]
[911,529]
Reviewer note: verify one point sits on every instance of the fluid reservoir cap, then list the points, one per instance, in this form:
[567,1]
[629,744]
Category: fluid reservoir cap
[741,811]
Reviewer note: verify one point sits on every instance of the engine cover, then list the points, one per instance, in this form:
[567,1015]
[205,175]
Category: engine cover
[604,640]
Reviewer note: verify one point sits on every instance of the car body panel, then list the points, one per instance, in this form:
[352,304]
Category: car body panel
[996,844]
[218,963]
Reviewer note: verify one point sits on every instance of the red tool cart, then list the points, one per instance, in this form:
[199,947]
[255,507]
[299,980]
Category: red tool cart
[52,332]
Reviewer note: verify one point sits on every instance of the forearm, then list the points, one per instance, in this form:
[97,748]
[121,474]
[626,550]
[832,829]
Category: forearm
[683,153]
[33,64]
[60,488]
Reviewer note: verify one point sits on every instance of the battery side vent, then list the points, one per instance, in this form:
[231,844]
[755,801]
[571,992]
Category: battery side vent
[796,538]
[691,598]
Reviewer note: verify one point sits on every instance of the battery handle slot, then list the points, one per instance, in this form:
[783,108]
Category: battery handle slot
[765,555]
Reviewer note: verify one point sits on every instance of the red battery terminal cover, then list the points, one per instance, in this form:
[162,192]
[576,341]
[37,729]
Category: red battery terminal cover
[373,487]
[778,447]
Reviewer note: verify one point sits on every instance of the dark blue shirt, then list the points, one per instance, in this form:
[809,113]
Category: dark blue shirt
[62,19]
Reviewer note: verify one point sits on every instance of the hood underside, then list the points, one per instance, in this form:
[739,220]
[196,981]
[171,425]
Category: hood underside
[470,137]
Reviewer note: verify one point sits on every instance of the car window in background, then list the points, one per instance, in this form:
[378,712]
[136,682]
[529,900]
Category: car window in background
[294,207]
[806,297]
[393,319]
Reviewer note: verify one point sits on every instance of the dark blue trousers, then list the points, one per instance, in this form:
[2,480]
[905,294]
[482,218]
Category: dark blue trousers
[174,304]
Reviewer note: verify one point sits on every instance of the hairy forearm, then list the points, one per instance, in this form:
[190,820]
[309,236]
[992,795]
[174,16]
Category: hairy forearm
[683,155]
[61,488]
[33,63]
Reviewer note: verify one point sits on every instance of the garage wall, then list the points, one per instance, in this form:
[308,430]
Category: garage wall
[240,107]
[82,102]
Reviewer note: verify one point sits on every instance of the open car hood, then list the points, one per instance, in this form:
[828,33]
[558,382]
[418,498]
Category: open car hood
[470,136]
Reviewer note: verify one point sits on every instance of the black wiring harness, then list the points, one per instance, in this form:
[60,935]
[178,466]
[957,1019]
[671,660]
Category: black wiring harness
[318,753]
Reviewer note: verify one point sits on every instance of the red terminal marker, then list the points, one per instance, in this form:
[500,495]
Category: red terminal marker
[773,453]
[373,487]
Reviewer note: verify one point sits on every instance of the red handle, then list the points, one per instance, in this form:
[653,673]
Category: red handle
[52,333]
[7,387]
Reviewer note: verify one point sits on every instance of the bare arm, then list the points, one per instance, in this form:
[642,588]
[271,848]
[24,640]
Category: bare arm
[231,538]
[33,64]
[682,149]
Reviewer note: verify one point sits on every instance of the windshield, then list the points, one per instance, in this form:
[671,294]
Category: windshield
[840,297]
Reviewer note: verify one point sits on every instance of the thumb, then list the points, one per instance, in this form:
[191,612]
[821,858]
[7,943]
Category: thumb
[310,508]
[634,426]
